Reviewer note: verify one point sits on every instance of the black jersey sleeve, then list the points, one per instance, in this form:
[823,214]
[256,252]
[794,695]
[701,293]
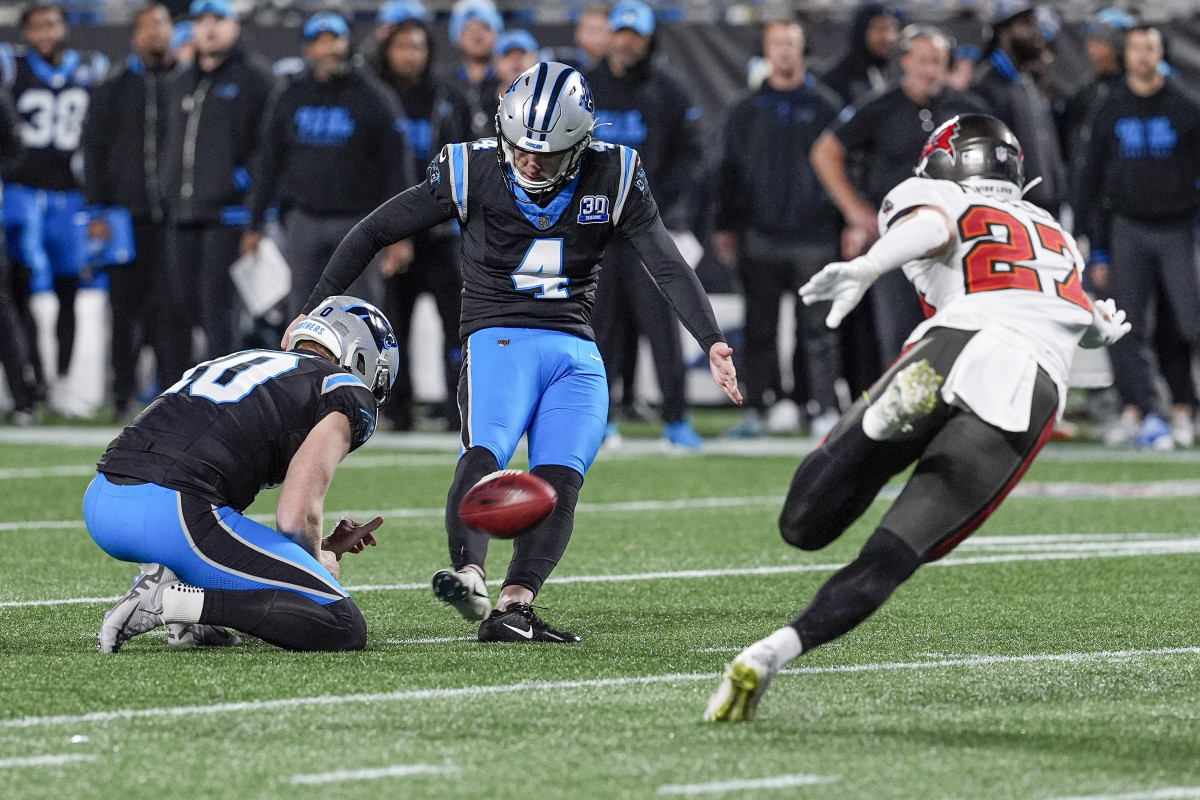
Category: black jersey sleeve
[412,211]
[345,394]
[642,225]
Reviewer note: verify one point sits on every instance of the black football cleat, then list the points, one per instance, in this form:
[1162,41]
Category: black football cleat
[518,623]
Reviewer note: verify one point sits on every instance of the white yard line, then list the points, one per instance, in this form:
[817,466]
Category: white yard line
[410,695]
[1064,551]
[748,785]
[375,773]
[47,761]
[434,640]
[1169,793]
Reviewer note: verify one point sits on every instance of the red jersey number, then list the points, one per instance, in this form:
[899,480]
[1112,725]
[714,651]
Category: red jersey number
[991,264]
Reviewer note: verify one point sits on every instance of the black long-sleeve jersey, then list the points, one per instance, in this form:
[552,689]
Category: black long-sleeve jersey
[52,102]
[230,427]
[528,265]
[1143,160]
[331,149]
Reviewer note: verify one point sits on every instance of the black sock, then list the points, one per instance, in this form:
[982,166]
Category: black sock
[536,554]
[467,546]
[856,590]
[287,619]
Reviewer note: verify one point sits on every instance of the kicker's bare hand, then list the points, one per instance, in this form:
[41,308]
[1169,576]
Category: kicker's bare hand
[720,363]
[349,536]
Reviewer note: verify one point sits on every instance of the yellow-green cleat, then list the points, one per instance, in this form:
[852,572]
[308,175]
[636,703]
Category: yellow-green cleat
[741,687]
[911,394]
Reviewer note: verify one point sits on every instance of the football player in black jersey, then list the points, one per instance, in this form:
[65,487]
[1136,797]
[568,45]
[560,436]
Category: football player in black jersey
[537,205]
[172,488]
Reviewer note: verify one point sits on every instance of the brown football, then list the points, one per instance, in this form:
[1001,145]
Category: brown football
[508,503]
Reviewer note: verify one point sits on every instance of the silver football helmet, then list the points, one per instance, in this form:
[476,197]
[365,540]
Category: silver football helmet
[547,109]
[360,338]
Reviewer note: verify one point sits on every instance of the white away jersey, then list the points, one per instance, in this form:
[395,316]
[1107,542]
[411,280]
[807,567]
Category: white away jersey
[1011,273]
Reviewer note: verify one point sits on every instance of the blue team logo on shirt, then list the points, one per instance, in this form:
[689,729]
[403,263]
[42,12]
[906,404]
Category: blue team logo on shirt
[622,127]
[419,133]
[434,172]
[228,91]
[1155,137]
[593,208]
[327,126]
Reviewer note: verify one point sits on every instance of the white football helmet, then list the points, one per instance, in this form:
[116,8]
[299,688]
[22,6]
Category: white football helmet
[547,109]
[360,338]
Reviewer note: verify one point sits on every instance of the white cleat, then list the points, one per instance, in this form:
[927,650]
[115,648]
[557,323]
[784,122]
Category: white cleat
[464,589]
[186,635]
[742,686]
[911,394]
[138,612]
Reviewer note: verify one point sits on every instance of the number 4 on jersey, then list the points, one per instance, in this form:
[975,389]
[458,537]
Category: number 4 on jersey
[541,271]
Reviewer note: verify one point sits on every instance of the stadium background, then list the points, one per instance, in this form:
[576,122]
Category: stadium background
[708,45]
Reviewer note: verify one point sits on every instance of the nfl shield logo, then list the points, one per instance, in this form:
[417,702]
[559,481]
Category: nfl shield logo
[543,222]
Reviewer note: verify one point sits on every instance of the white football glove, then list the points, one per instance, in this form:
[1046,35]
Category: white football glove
[843,282]
[1108,325]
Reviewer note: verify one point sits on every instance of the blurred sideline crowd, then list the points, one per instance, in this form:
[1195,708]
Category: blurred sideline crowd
[130,188]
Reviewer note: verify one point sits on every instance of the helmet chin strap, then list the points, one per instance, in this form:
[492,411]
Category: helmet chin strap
[350,351]
[383,380]
[1030,185]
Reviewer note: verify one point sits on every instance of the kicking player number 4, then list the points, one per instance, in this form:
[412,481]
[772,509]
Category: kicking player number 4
[541,271]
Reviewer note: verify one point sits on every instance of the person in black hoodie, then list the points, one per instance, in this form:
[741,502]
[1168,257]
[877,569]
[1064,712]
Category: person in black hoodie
[640,105]
[436,114]
[1105,44]
[864,67]
[213,127]
[1140,179]
[775,218]
[1007,83]
[333,148]
[122,139]
[474,27]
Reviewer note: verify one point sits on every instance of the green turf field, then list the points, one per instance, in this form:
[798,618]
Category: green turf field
[1055,654]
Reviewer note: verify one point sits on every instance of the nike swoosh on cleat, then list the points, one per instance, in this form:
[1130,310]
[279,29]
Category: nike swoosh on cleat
[528,634]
